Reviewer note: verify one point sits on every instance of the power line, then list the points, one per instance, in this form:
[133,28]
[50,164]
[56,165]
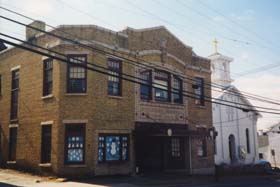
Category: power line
[128,60]
[137,63]
[131,76]
[124,78]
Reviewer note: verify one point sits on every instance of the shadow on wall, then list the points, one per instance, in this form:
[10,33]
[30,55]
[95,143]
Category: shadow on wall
[7,185]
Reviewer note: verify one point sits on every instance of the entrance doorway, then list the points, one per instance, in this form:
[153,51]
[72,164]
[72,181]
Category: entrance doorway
[232,148]
[160,153]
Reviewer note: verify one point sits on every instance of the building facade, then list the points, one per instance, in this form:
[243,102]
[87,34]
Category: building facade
[236,142]
[69,120]
[269,145]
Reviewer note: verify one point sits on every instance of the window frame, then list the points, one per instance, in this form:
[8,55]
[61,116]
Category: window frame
[121,147]
[47,84]
[46,159]
[67,134]
[168,99]
[12,142]
[200,97]
[69,66]
[14,90]
[203,148]
[180,90]
[119,76]
[150,96]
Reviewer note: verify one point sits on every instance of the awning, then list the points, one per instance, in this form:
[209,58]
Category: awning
[163,129]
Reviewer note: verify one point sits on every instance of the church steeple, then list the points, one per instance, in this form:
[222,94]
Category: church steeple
[220,66]
[216,45]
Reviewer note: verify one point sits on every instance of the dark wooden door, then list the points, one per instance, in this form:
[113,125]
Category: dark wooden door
[13,144]
[175,153]
[46,144]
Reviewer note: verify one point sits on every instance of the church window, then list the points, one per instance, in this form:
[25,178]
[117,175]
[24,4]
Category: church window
[248,141]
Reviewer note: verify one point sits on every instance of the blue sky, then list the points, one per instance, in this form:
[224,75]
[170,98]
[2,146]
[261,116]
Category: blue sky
[246,30]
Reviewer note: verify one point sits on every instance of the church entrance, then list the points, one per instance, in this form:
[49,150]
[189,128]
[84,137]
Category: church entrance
[232,149]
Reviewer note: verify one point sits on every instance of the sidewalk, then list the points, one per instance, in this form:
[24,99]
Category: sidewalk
[12,178]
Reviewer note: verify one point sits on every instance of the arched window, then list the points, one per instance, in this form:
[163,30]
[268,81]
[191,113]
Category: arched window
[248,140]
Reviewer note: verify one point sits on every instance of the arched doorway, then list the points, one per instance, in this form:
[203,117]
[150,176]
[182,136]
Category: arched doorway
[232,148]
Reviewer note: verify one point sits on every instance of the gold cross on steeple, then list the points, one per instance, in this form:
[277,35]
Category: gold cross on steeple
[216,45]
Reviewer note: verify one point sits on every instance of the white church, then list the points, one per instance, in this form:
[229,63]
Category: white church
[236,141]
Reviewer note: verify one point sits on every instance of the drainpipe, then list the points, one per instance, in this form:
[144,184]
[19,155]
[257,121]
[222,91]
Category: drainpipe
[190,152]
[221,127]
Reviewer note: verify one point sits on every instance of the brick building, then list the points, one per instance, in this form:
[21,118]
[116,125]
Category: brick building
[71,121]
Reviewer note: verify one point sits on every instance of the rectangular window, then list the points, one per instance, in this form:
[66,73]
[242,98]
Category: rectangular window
[47,76]
[14,95]
[75,144]
[202,148]
[113,148]
[46,144]
[0,85]
[177,90]
[114,80]
[12,144]
[146,88]
[175,148]
[76,75]
[162,86]
[199,90]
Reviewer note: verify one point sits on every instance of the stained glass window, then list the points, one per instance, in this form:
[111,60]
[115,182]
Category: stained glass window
[75,142]
[112,148]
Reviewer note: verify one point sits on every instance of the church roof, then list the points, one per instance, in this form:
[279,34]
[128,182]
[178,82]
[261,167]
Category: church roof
[232,90]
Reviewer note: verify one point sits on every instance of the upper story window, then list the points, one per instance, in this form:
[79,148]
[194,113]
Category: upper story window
[177,90]
[14,94]
[199,91]
[47,77]
[114,80]
[162,86]
[146,87]
[76,75]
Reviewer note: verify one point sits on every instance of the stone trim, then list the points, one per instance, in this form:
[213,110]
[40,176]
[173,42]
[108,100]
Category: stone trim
[199,69]
[15,68]
[47,96]
[158,28]
[13,125]
[69,121]
[45,165]
[47,122]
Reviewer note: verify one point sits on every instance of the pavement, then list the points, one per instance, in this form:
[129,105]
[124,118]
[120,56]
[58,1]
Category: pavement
[12,178]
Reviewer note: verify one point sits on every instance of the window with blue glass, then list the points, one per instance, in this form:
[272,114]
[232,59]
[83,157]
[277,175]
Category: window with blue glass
[146,87]
[75,144]
[112,148]
[114,80]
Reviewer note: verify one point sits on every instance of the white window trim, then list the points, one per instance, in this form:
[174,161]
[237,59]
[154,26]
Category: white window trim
[69,121]
[13,125]
[47,122]
[15,68]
